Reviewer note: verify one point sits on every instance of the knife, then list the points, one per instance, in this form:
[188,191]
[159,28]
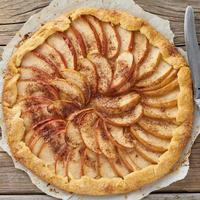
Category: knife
[193,51]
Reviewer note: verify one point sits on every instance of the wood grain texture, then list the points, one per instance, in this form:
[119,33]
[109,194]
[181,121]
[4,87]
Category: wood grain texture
[174,12]
[14,181]
[13,14]
[25,197]
[183,196]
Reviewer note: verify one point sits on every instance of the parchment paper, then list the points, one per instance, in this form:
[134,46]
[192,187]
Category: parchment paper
[56,8]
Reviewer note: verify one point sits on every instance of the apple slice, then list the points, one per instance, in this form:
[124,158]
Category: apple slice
[101,33]
[36,113]
[28,135]
[90,167]
[42,122]
[116,105]
[78,79]
[57,141]
[96,35]
[73,135]
[130,164]
[149,141]
[31,87]
[60,168]
[31,102]
[104,72]
[162,71]
[120,135]
[47,154]
[32,119]
[62,44]
[127,118]
[72,91]
[62,155]
[88,70]
[33,73]
[150,156]
[77,115]
[139,161]
[63,107]
[127,39]
[50,128]
[80,40]
[88,35]
[75,163]
[157,128]
[119,167]
[164,90]
[87,131]
[31,138]
[31,60]
[77,42]
[123,70]
[48,61]
[37,145]
[35,108]
[51,131]
[105,168]
[150,64]
[141,47]
[71,48]
[113,40]
[172,76]
[166,101]
[127,87]
[129,84]
[104,143]
[168,114]
[52,56]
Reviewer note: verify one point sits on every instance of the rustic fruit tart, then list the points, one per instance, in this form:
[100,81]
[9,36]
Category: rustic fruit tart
[97,102]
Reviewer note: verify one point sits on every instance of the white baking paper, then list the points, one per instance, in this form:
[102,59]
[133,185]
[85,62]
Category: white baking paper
[56,8]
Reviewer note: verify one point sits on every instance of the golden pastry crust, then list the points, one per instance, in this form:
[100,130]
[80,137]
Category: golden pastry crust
[87,185]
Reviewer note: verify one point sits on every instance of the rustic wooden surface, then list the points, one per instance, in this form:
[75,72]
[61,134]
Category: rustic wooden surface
[15,184]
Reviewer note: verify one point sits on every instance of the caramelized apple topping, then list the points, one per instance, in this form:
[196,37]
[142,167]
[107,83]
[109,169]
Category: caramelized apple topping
[97,100]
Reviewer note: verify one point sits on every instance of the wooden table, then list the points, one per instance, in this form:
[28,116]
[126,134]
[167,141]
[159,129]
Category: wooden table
[15,184]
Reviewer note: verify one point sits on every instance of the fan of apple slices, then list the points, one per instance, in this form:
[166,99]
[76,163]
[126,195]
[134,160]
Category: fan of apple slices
[97,100]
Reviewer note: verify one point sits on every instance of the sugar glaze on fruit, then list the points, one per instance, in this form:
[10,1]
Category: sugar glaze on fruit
[97,100]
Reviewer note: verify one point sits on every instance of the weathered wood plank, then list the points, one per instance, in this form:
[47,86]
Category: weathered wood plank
[174,12]
[18,11]
[14,181]
[14,14]
[25,197]
[183,196]
[192,196]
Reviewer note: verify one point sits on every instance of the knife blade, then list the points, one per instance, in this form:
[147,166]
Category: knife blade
[192,48]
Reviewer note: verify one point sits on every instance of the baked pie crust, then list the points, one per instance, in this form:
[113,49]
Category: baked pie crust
[97,102]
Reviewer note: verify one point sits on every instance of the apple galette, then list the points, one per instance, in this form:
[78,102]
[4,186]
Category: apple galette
[97,102]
